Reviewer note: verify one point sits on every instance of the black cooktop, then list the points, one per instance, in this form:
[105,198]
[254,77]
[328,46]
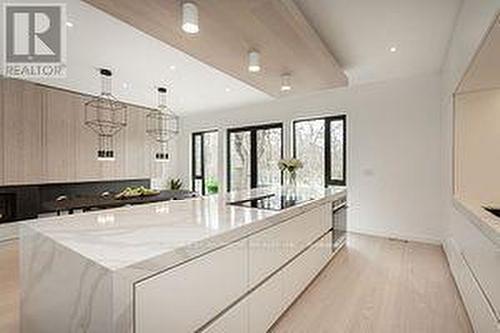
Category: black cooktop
[271,202]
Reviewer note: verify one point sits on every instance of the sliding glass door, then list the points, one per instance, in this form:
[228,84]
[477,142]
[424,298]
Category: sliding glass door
[336,150]
[309,147]
[320,143]
[205,146]
[253,155]
[240,159]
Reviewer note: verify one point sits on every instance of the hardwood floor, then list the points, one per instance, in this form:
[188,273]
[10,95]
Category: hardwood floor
[379,285]
[9,287]
[373,285]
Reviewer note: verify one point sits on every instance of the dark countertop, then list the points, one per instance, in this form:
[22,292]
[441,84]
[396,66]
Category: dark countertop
[100,202]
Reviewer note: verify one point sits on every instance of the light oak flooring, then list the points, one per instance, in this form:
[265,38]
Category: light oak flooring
[9,287]
[378,285]
[372,285]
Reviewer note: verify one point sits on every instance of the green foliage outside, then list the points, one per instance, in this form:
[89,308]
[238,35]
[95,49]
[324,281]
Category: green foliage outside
[212,186]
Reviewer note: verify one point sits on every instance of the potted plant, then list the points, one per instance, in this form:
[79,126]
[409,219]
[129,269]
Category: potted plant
[212,186]
[175,184]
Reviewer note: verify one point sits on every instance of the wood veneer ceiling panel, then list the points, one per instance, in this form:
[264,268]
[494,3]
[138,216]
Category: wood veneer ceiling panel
[230,28]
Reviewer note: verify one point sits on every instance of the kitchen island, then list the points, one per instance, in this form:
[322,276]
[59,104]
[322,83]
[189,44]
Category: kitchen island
[179,266]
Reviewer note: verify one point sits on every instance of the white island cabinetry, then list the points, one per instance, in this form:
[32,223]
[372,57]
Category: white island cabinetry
[196,265]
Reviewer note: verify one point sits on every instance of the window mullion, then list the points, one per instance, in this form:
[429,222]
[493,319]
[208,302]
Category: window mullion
[253,159]
[328,155]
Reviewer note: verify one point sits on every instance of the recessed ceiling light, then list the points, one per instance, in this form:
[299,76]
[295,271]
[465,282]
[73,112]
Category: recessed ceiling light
[286,82]
[190,18]
[125,85]
[393,49]
[69,24]
[172,67]
[254,61]
[228,89]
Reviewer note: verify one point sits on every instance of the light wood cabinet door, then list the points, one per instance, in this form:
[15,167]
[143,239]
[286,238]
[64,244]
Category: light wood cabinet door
[22,132]
[87,165]
[2,132]
[44,139]
[60,119]
[137,155]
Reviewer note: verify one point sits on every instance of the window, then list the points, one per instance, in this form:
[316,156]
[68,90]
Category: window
[320,143]
[205,146]
[253,155]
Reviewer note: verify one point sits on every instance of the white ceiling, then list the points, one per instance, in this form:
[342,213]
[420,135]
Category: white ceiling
[143,63]
[361,32]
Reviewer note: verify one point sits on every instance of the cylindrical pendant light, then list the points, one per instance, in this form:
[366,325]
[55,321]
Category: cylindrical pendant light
[190,18]
[253,61]
[286,84]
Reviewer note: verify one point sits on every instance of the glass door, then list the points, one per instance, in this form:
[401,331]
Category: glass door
[320,143]
[205,162]
[253,156]
[239,163]
[336,150]
[309,147]
[269,152]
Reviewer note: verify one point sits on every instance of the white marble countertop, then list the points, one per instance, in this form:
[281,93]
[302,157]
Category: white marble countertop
[136,237]
[488,223]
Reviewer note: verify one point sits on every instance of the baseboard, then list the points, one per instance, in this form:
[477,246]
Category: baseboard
[393,235]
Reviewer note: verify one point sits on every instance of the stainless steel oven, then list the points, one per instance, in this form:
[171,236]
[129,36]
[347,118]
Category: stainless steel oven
[339,222]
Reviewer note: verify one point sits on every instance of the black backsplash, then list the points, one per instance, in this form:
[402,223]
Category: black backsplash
[25,201]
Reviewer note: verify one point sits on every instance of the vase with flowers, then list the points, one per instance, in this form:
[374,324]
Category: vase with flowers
[290,167]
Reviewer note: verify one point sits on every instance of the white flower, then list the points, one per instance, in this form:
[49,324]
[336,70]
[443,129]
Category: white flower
[290,165]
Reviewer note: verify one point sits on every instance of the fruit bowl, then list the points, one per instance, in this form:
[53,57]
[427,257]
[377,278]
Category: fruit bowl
[135,192]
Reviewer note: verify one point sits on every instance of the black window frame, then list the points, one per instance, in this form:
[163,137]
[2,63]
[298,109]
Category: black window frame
[329,181]
[253,150]
[194,176]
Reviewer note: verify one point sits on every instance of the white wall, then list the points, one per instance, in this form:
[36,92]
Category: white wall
[393,150]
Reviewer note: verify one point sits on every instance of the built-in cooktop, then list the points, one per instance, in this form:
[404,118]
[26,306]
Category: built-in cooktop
[271,202]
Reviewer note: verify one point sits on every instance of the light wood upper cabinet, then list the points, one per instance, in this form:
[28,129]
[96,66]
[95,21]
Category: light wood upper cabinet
[2,80]
[22,132]
[87,166]
[60,114]
[137,153]
[43,139]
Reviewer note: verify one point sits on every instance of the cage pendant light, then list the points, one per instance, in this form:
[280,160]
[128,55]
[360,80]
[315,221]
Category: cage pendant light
[106,116]
[162,125]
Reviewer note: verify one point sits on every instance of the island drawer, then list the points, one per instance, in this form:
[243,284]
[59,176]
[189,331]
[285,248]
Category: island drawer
[258,311]
[304,269]
[186,297]
[483,258]
[270,300]
[272,248]
[234,320]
